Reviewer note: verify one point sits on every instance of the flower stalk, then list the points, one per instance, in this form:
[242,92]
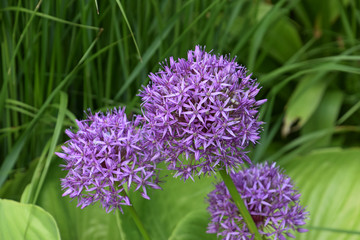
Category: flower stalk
[261,194]
[239,202]
[137,219]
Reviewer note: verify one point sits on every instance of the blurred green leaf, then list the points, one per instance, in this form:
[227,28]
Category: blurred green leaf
[192,226]
[75,223]
[350,112]
[325,116]
[25,196]
[26,221]
[13,188]
[166,212]
[58,127]
[282,40]
[330,185]
[304,101]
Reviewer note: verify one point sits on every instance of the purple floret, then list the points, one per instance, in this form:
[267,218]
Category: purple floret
[203,112]
[106,154]
[271,199]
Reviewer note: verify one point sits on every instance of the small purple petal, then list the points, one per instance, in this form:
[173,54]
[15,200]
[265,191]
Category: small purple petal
[274,216]
[106,153]
[200,106]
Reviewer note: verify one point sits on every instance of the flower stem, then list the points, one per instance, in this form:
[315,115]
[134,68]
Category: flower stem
[137,220]
[240,204]
[138,223]
[118,223]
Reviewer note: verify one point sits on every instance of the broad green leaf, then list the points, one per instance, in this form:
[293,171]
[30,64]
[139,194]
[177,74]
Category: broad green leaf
[25,196]
[330,186]
[74,223]
[304,101]
[26,221]
[262,28]
[283,31]
[192,226]
[325,116]
[167,208]
[161,215]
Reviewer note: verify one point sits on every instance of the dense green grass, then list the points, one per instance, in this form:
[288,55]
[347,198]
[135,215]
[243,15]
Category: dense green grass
[59,58]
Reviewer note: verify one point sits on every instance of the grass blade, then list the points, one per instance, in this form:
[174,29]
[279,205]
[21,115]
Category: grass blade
[149,53]
[47,16]
[12,157]
[12,59]
[54,140]
[129,27]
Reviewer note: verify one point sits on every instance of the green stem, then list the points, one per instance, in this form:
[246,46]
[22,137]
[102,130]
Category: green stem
[137,220]
[240,204]
[118,223]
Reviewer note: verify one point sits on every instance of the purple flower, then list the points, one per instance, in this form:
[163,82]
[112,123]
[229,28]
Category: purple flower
[203,112]
[271,199]
[106,154]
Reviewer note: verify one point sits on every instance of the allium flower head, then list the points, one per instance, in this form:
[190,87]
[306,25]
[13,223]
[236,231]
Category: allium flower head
[271,199]
[204,109]
[106,153]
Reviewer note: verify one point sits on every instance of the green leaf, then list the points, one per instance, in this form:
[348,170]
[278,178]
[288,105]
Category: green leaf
[329,183]
[13,188]
[74,223]
[26,221]
[284,30]
[192,227]
[25,196]
[161,215]
[304,101]
[54,140]
[328,10]
[325,116]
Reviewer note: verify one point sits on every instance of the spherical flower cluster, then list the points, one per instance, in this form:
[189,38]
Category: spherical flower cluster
[203,111]
[106,153]
[271,199]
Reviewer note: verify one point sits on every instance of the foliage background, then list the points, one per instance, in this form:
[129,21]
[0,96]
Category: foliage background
[59,58]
